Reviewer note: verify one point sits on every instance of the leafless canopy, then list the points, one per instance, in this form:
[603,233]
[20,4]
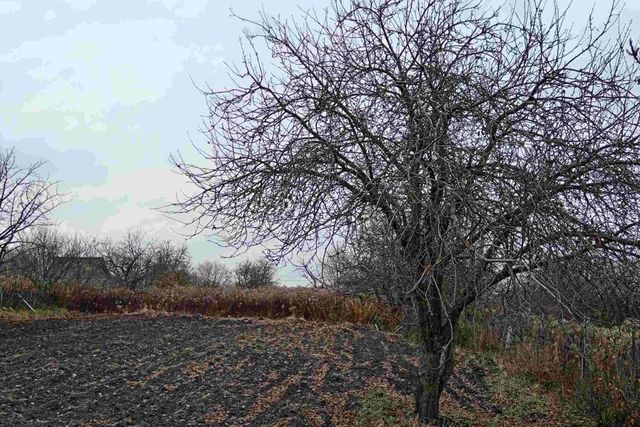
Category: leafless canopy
[211,274]
[26,199]
[136,261]
[254,274]
[489,145]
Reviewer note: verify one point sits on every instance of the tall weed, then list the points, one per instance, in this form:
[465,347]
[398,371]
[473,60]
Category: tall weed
[270,302]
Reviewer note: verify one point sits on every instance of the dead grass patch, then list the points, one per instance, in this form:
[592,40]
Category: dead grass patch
[195,370]
[216,416]
[272,396]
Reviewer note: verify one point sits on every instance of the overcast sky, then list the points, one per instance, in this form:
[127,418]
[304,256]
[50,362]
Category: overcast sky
[104,90]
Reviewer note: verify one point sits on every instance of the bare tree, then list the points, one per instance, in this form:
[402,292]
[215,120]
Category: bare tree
[211,274]
[372,263]
[254,274]
[128,260]
[599,289]
[26,199]
[489,146]
[137,261]
[167,257]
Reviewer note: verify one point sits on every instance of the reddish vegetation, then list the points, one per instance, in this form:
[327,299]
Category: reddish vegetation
[273,303]
[603,377]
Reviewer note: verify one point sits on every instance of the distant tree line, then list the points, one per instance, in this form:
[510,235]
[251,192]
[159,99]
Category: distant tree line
[46,255]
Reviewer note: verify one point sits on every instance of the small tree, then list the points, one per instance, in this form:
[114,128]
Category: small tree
[211,274]
[489,147]
[167,257]
[128,260]
[26,199]
[372,263]
[254,274]
[137,261]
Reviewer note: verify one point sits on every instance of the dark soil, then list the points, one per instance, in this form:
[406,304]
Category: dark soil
[180,371]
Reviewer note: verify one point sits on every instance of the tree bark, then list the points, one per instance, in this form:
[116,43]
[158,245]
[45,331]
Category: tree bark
[428,389]
[436,359]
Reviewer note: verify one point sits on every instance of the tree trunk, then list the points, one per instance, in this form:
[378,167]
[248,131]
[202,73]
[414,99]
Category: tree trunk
[428,389]
[436,360]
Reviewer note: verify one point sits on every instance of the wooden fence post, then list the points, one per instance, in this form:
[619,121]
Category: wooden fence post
[584,355]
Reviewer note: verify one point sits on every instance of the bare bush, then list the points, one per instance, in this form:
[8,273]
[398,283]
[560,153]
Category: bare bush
[254,274]
[211,274]
[371,264]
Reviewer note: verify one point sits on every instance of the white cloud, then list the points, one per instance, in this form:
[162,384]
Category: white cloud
[94,67]
[133,197]
[203,54]
[9,7]
[142,187]
[98,127]
[130,216]
[70,123]
[168,4]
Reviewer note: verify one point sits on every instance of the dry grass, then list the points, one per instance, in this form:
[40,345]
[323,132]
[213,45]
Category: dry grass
[217,416]
[607,392]
[195,370]
[11,315]
[272,396]
[273,302]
